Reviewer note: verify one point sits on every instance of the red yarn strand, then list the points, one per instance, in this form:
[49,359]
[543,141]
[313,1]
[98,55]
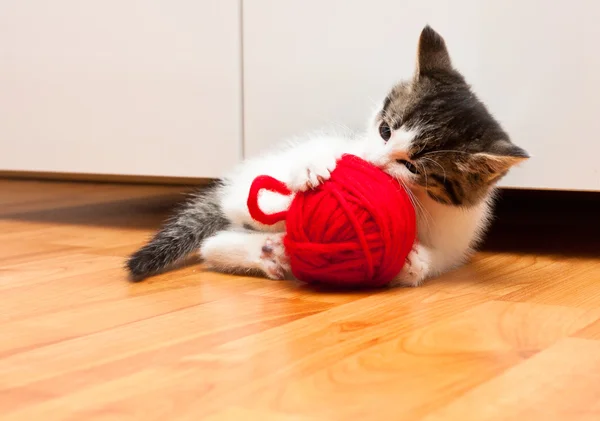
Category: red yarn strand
[265,182]
[358,230]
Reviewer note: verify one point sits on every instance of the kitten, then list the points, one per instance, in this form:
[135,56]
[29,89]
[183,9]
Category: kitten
[431,133]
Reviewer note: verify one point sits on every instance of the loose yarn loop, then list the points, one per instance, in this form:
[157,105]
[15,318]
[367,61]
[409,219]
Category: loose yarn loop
[357,228]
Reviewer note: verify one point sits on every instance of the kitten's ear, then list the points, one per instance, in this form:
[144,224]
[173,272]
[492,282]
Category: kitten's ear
[496,162]
[432,53]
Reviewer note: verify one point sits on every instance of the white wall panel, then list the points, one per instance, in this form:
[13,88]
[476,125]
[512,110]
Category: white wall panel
[536,64]
[143,87]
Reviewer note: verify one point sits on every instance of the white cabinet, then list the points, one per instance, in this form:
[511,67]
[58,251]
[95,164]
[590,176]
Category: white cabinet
[536,64]
[154,87]
[143,87]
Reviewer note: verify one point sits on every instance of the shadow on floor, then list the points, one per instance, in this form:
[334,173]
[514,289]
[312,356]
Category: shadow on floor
[138,213]
[558,223]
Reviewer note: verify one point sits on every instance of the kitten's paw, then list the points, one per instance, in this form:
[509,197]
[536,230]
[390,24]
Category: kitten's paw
[416,268]
[273,260]
[314,174]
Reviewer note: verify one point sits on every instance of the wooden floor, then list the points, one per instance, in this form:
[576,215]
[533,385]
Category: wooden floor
[515,335]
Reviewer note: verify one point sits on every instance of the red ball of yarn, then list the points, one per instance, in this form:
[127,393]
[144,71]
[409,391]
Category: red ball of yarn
[355,229]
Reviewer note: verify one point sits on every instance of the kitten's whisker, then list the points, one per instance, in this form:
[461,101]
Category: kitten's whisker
[424,171]
[374,102]
[342,126]
[436,163]
[419,208]
[421,205]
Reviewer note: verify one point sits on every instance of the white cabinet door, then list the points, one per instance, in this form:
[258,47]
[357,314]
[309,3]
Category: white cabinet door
[537,66]
[143,87]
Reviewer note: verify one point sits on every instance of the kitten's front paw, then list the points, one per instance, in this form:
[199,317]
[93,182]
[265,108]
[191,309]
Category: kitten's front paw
[314,174]
[416,268]
[274,261]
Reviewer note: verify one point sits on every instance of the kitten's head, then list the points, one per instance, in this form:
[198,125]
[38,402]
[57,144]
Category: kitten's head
[433,132]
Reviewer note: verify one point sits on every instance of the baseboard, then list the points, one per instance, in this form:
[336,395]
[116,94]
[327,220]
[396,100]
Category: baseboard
[103,178]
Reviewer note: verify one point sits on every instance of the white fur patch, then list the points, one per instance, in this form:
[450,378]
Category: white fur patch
[382,153]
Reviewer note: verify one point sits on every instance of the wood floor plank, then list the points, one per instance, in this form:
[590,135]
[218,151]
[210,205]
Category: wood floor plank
[426,367]
[570,282]
[133,339]
[560,383]
[250,415]
[60,325]
[231,362]
[27,251]
[501,274]
[48,269]
[591,331]
[513,335]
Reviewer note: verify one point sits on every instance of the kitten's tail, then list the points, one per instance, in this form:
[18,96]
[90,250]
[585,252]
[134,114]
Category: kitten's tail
[183,233]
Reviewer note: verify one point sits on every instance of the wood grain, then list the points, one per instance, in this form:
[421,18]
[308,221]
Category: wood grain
[513,335]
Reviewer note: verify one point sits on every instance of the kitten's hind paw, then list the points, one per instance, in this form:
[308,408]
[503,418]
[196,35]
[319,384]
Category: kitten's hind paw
[274,262]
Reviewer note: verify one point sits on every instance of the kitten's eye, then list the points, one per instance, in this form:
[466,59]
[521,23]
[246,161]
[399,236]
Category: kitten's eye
[384,131]
[409,165]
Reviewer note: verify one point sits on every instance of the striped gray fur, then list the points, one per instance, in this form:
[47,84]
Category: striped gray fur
[199,218]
